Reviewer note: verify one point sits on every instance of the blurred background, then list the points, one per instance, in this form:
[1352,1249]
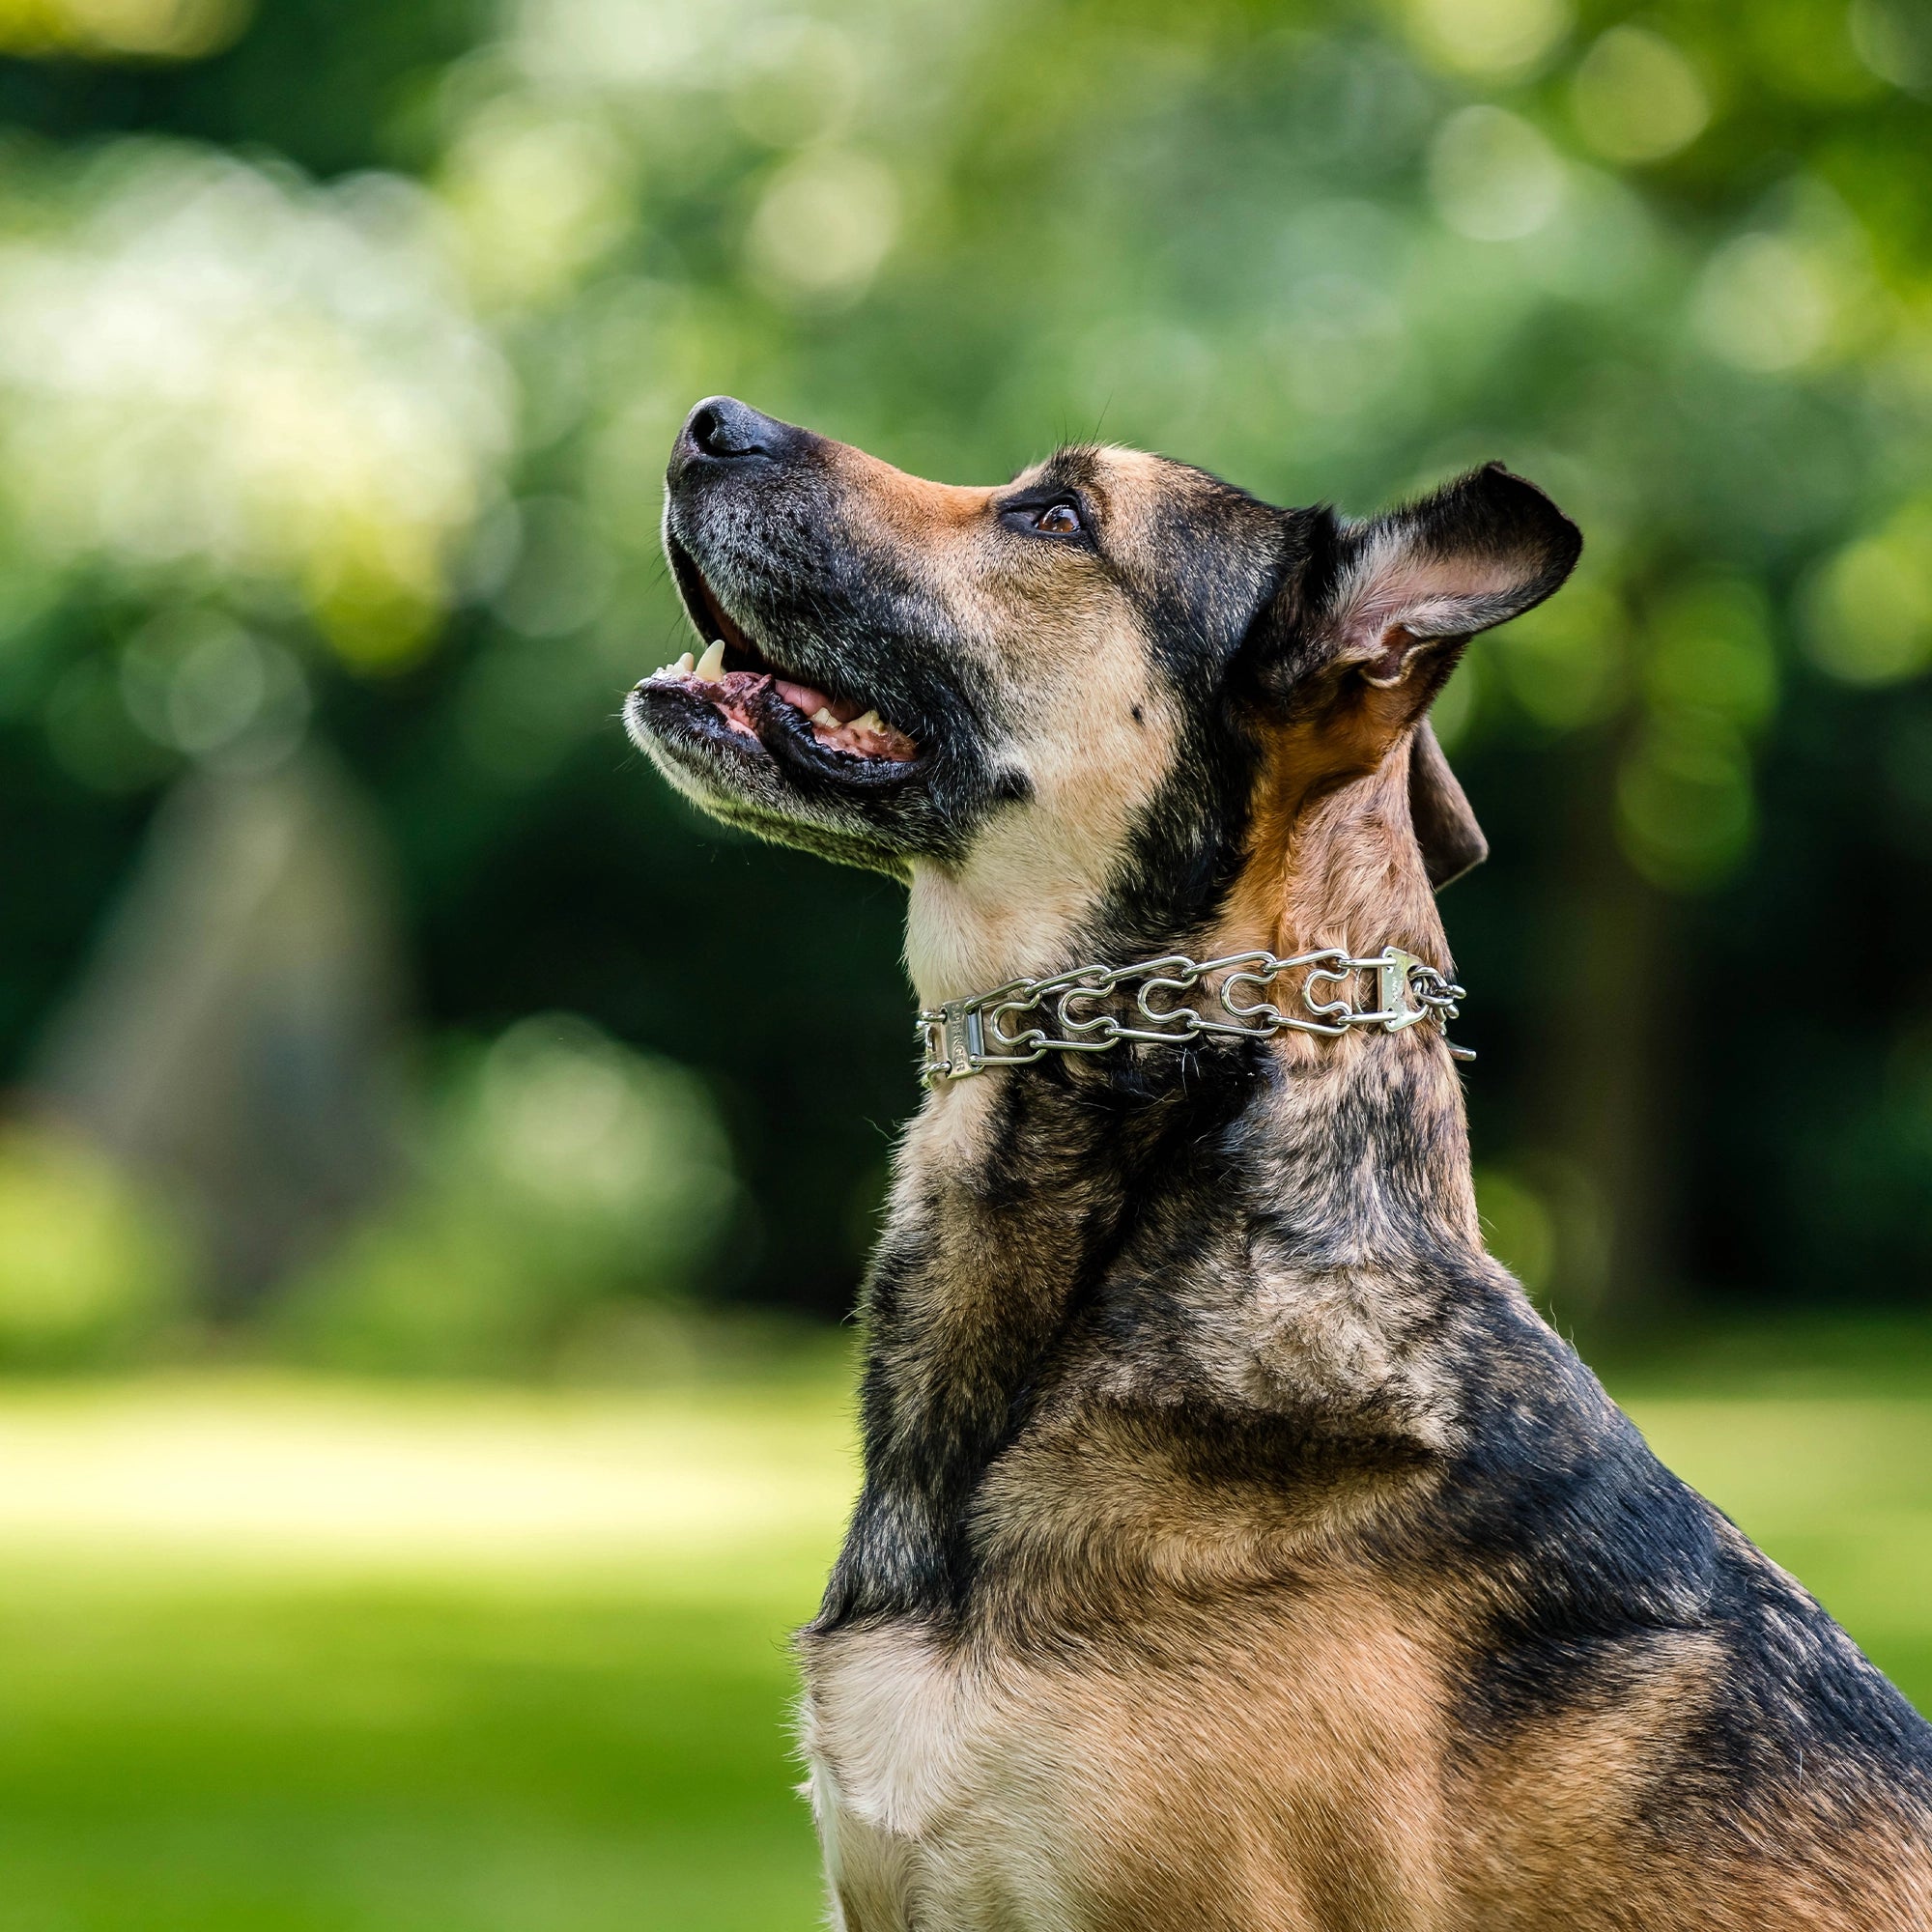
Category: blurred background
[422,1399]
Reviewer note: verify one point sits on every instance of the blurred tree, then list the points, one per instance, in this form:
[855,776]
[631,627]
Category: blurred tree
[236,1037]
[408,429]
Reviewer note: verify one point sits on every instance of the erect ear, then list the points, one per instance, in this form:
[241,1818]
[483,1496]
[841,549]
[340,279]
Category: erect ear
[1396,598]
[1375,621]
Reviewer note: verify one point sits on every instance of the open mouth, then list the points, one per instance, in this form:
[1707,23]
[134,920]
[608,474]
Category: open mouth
[755,698]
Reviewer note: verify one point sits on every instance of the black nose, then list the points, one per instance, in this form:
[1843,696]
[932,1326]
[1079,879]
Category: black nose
[729,431]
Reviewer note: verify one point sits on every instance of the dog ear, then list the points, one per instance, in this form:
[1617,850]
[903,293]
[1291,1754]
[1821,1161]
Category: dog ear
[1446,827]
[1396,598]
[1366,632]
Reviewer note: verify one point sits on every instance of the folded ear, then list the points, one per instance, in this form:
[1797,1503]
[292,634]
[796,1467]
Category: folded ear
[1398,596]
[1446,827]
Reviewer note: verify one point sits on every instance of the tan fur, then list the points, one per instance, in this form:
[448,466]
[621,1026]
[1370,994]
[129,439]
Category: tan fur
[1554,1834]
[1331,861]
[1028,885]
[1097,734]
[1043,1789]
[1166,1785]
[1169,1789]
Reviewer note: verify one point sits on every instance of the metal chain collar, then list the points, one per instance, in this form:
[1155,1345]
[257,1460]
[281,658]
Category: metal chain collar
[1025,1020]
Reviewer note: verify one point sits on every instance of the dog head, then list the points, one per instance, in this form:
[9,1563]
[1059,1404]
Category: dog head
[1087,712]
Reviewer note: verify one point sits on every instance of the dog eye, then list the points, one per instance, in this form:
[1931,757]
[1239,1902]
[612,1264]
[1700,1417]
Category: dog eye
[1059,520]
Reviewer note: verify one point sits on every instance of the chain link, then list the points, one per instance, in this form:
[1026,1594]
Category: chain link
[1062,1015]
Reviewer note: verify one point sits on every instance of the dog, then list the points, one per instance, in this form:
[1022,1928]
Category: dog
[1237,1549]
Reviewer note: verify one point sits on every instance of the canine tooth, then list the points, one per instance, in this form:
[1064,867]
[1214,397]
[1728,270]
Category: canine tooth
[686,665]
[711,666]
[824,716]
[868,720]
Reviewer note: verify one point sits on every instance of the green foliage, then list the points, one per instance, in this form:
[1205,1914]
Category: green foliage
[563,1174]
[401,432]
[93,1269]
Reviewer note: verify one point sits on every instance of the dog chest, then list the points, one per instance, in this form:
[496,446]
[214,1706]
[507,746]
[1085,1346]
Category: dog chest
[930,1805]
[1269,1766]
[892,1719]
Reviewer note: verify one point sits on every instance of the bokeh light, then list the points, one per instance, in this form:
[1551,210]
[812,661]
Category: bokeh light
[92,1265]
[356,444]
[1636,96]
[1495,177]
[1870,605]
[125,29]
[823,226]
[214,373]
[1493,38]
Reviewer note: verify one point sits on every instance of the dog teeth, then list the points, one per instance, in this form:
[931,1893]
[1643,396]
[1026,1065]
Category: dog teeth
[711,666]
[824,716]
[686,665]
[868,720]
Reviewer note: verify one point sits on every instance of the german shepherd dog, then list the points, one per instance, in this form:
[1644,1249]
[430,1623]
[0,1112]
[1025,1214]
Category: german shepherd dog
[1238,1550]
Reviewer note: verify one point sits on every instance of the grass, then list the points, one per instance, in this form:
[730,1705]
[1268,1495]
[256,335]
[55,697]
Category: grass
[305,1657]
[298,1659]
[368,1758]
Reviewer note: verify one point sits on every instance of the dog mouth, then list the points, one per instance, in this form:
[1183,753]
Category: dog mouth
[734,689]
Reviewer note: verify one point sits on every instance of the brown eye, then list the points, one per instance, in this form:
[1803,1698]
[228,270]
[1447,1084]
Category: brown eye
[1058,520]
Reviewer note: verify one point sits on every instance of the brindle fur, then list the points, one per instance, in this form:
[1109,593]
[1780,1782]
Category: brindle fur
[1237,1548]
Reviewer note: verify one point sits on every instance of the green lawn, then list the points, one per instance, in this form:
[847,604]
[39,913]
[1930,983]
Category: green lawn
[276,1655]
[283,1657]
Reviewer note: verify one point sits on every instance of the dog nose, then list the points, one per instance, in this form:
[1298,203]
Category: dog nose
[729,431]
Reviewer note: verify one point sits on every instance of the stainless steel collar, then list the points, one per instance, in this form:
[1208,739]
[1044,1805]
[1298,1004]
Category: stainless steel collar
[1025,1020]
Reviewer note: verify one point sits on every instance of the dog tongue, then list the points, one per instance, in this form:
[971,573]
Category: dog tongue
[803,697]
[800,696]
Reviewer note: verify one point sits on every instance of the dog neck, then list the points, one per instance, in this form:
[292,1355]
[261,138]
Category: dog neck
[1334,864]
[1019,906]
[1034,1207]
